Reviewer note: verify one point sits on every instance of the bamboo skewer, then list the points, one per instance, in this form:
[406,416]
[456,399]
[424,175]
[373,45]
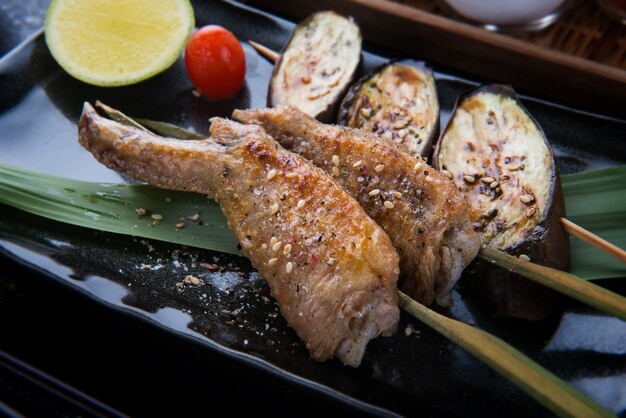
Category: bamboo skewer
[594,240]
[566,283]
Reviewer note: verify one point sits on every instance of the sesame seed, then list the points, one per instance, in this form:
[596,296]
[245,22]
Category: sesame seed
[335,159]
[357,164]
[367,112]
[397,195]
[469,179]
[273,241]
[400,124]
[157,217]
[195,93]
[387,135]
[277,246]
[180,225]
[530,212]
[287,249]
[334,83]
[195,217]
[274,209]
[335,171]
[374,192]
[264,246]
[526,198]
[300,203]
[494,184]
[141,211]
[402,133]
[417,166]
[447,174]
[291,175]
[305,79]
[487,180]
[289,267]
[379,168]
[272,261]
[524,257]
[192,280]
[429,179]
[388,204]
[331,261]
[271,174]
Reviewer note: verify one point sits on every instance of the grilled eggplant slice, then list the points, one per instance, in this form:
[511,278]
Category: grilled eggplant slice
[317,65]
[398,101]
[501,161]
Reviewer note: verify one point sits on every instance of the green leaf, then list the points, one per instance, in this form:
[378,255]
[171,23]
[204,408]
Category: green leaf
[596,201]
[112,208]
[543,386]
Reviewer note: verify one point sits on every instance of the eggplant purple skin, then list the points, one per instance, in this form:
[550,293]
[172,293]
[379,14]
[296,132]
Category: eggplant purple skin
[504,292]
[328,115]
[353,92]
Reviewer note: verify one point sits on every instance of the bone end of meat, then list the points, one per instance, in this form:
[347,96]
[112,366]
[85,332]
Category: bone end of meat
[425,216]
[335,283]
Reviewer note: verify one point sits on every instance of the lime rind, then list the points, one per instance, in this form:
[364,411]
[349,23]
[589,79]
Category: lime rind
[112,79]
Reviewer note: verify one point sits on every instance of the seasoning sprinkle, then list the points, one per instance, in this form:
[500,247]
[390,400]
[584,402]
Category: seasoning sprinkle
[374,192]
[524,257]
[156,217]
[180,225]
[400,124]
[447,174]
[271,174]
[192,280]
[335,159]
[530,212]
[487,180]
[289,267]
[272,261]
[388,204]
[357,164]
[335,171]
[277,246]
[379,168]
[141,211]
[273,241]
[397,195]
[287,249]
[331,261]
[367,112]
[195,217]
[526,198]
[494,184]
[300,203]
[291,175]
[274,209]
[469,179]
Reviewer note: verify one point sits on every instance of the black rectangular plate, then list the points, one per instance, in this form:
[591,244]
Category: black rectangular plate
[232,314]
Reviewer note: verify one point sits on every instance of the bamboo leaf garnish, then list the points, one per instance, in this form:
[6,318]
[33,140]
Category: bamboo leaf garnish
[543,386]
[563,282]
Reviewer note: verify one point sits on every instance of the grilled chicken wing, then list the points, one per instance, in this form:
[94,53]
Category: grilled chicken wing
[331,268]
[421,210]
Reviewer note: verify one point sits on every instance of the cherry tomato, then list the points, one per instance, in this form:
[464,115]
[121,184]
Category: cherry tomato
[215,62]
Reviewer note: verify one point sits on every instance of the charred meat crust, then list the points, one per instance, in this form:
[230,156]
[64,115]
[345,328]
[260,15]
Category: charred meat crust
[425,216]
[547,244]
[331,268]
[419,107]
[330,93]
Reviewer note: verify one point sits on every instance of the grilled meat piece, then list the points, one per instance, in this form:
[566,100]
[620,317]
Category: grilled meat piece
[421,210]
[331,268]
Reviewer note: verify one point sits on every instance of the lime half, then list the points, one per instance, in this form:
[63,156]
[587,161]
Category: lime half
[117,42]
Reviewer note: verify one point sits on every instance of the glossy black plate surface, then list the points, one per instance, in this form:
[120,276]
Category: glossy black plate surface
[232,314]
